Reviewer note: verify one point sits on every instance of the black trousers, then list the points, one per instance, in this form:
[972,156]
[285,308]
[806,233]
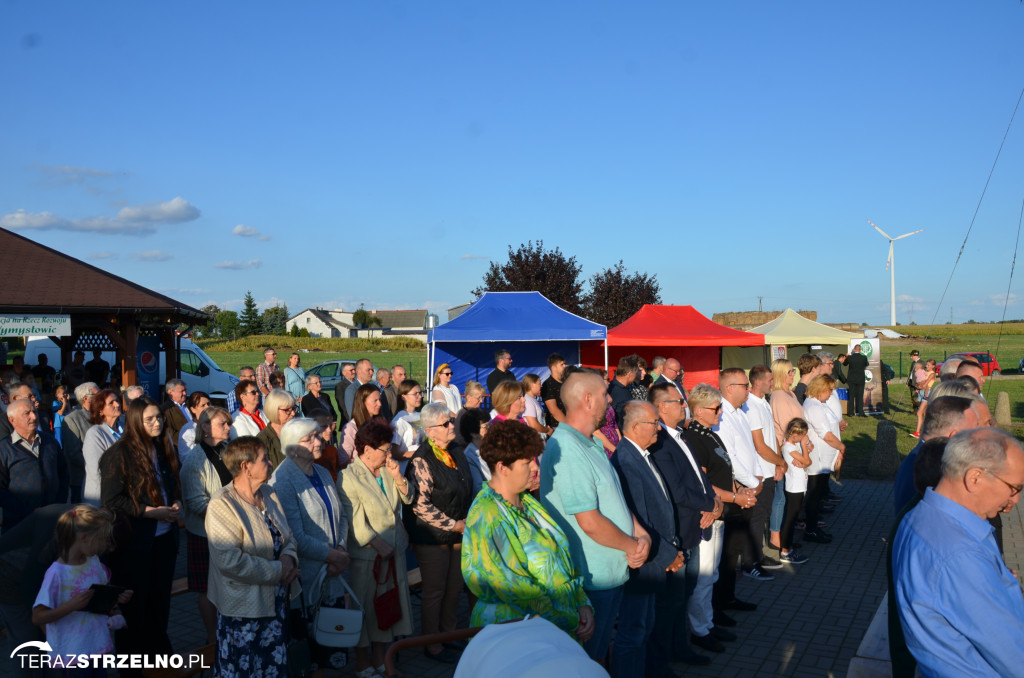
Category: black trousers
[794,500]
[759,516]
[736,547]
[670,637]
[855,404]
[817,491]
[149,573]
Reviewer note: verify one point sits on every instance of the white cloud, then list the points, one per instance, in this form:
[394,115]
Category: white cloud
[248,232]
[997,300]
[132,220]
[69,174]
[152,255]
[171,212]
[473,256]
[186,290]
[239,265]
[96,256]
[906,298]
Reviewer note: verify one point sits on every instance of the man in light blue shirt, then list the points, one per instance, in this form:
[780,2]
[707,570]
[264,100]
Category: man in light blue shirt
[581,490]
[961,609]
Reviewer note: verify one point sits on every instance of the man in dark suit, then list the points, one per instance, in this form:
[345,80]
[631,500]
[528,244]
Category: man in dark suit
[647,496]
[348,373]
[175,413]
[696,508]
[856,364]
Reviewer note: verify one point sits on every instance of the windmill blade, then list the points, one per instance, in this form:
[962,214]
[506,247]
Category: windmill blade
[907,235]
[878,229]
[888,262]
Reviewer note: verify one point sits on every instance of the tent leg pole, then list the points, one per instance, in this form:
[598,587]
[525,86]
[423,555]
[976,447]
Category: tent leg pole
[606,356]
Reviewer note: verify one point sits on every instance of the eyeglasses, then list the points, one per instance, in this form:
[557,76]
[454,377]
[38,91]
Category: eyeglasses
[744,384]
[415,393]
[655,423]
[1014,489]
[447,374]
[445,423]
[792,372]
[676,400]
[386,449]
[293,408]
[153,420]
[716,408]
[249,392]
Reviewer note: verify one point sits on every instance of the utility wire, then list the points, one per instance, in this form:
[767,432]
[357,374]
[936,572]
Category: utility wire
[1009,286]
[978,208]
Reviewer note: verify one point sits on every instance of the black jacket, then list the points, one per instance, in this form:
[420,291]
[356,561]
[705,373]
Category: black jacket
[451,494]
[690,493]
[856,363]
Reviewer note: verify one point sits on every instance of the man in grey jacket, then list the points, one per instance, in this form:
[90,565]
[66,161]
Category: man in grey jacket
[72,433]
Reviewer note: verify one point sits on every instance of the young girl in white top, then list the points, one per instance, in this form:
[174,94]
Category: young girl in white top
[83,533]
[796,450]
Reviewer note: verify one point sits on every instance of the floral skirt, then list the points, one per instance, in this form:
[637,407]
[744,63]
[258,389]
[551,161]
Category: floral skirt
[254,648]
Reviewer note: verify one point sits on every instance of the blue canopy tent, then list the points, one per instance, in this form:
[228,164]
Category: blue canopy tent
[527,324]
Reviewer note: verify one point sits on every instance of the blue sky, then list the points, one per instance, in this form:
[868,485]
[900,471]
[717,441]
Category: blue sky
[338,153]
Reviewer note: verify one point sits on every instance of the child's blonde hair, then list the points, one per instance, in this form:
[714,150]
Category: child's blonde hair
[796,427]
[83,519]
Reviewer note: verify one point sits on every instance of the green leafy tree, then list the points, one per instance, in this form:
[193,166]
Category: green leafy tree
[228,324]
[274,320]
[250,318]
[363,318]
[295,330]
[616,294]
[211,329]
[533,268]
[304,332]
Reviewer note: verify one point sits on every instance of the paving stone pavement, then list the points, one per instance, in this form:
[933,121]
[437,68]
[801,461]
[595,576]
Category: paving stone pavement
[809,621]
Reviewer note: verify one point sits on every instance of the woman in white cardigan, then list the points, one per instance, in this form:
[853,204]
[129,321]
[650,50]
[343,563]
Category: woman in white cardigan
[827,456]
[253,562]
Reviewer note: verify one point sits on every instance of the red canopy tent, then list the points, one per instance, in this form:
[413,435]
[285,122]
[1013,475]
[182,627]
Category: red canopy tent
[679,332]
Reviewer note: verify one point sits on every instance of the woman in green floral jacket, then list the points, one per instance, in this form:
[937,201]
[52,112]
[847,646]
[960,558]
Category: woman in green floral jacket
[515,558]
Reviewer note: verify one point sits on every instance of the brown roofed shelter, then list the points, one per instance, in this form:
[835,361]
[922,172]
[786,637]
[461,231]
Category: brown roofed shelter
[107,312]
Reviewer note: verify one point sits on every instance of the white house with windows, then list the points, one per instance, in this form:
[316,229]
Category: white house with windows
[334,324]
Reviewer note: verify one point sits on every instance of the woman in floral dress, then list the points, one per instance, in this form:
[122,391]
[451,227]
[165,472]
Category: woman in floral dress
[514,556]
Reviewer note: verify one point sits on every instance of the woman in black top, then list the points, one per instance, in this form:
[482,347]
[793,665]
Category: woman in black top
[725,534]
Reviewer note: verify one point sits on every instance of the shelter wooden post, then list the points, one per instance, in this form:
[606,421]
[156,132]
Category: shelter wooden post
[130,360]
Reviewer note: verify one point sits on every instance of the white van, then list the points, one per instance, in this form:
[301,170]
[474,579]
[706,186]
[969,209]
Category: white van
[198,370]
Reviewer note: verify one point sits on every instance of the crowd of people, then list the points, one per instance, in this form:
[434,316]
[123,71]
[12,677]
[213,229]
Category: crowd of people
[622,511]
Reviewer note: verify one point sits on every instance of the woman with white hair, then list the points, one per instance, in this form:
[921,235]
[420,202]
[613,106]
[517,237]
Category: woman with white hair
[315,399]
[443,488]
[311,505]
[280,408]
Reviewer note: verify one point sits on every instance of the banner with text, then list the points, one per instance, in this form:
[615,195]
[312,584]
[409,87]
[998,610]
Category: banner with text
[35,325]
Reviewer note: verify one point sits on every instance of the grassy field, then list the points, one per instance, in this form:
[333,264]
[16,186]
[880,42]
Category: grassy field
[938,341]
[415,361]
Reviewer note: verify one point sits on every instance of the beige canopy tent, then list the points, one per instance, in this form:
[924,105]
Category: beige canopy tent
[796,334]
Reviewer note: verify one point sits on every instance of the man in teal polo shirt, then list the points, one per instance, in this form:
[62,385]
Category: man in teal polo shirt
[581,490]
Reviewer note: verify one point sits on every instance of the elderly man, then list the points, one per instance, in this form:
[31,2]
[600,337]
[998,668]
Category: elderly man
[33,472]
[388,399]
[174,409]
[397,376]
[348,375]
[959,605]
[697,508]
[647,496]
[72,435]
[735,432]
[501,372]
[243,374]
[17,391]
[580,489]
[945,416]
[657,365]
[364,375]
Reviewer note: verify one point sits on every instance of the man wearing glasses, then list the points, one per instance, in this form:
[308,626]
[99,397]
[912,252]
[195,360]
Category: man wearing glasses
[502,361]
[264,370]
[959,605]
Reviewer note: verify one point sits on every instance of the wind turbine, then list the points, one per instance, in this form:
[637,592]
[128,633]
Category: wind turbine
[891,265]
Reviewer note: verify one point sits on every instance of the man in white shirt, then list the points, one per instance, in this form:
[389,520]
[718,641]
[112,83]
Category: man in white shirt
[773,466]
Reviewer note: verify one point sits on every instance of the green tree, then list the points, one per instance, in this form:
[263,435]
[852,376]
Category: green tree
[228,325]
[274,320]
[616,294]
[363,318]
[250,318]
[295,330]
[211,329]
[304,333]
[533,268]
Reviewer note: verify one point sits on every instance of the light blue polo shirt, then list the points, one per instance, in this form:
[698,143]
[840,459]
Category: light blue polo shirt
[576,476]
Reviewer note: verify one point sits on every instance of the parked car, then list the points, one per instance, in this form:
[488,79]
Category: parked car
[329,372]
[989,365]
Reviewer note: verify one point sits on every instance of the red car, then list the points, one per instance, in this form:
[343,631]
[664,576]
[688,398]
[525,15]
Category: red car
[989,365]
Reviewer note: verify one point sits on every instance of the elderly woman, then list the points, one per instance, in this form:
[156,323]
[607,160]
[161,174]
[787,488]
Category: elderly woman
[509,401]
[365,405]
[823,432]
[280,408]
[444,490]
[474,397]
[474,426]
[408,434]
[196,403]
[709,451]
[249,419]
[253,562]
[139,481]
[533,415]
[444,390]
[315,399]
[515,558]
[295,377]
[104,415]
[373,491]
[202,474]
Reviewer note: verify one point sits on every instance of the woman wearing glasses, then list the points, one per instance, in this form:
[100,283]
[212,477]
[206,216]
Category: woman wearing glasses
[249,419]
[280,408]
[443,488]
[408,432]
[445,391]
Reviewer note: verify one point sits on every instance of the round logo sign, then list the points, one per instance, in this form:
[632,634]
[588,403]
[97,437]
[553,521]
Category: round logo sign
[866,349]
[148,362]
